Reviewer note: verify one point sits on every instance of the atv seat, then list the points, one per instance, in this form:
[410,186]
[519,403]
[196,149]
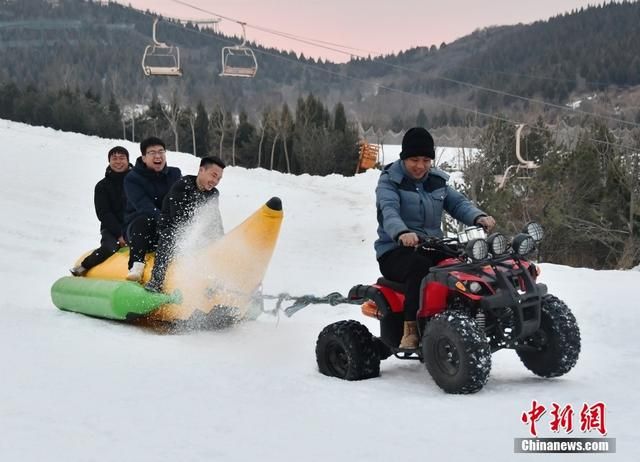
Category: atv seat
[394,285]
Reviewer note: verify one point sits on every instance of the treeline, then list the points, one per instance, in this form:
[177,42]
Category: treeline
[68,110]
[587,197]
[97,46]
[311,139]
[437,119]
[586,50]
[90,45]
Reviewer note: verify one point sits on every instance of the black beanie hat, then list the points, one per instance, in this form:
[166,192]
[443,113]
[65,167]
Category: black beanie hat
[117,150]
[417,142]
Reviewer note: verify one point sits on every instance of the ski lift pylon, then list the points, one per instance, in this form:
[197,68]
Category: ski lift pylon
[160,58]
[239,60]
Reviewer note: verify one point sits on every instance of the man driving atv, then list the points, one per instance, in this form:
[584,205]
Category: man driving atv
[410,199]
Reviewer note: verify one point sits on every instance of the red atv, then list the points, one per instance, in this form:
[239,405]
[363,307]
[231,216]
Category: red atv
[482,298]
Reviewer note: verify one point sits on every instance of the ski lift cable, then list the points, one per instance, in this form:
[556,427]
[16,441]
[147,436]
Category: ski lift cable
[408,93]
[460,82]
[317,42]
[407,69]
[311,41]
[356,79]
[405,92]
[202,10]
[199,20]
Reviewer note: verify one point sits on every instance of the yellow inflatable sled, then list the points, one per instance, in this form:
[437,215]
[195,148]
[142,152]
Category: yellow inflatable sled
[220,279]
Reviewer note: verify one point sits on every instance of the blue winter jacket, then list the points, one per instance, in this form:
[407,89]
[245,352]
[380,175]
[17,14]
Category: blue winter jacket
[145,190]
[407,205]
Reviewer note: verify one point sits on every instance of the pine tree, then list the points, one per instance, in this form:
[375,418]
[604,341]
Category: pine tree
[421,119]
[339,118]
[201,127]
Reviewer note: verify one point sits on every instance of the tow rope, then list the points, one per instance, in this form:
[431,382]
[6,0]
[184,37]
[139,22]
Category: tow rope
[333,299]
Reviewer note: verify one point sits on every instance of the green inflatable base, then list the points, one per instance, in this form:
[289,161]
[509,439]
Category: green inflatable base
[119,300]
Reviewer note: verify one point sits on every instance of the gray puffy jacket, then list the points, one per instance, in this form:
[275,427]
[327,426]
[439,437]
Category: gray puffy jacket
[407,205]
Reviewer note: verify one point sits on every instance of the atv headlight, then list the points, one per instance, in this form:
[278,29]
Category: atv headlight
[475,287]
[535,230]
[470,233]
[497,243]
[523,244]
[477,249]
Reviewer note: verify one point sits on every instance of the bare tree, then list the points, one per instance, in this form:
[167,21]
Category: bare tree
[273,149]
[286,123]
[236,125]
[626,169]
[265,123]
[269,121]
[217,121]
[172,112]
[192,123]
[262,128]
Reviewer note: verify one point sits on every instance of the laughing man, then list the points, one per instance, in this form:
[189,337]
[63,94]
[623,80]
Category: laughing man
[145,186]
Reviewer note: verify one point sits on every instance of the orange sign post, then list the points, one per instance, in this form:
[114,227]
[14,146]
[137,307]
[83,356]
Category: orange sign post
[368,156]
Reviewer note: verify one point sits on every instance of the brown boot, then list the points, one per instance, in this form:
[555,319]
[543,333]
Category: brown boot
[410,337]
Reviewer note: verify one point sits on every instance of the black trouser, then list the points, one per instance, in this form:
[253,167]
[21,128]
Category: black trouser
[405,264]
[164,254]
[142,236]
[108,246]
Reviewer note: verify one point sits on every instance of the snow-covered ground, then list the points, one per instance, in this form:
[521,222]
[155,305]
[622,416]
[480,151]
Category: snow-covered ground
[75,388]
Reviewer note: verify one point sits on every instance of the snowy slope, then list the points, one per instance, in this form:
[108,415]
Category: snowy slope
[74,388]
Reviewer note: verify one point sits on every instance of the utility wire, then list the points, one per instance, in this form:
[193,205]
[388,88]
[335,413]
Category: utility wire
[400,91]
[407,69]
[408,93]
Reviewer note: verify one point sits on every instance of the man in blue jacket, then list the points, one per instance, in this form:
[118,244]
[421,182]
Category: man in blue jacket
[410,200]
[145,187]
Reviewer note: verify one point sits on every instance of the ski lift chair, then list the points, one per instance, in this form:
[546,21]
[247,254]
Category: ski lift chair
[523,165]
[160,58]
[239,60]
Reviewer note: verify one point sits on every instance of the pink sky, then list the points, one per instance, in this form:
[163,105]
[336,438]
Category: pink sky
[382,26]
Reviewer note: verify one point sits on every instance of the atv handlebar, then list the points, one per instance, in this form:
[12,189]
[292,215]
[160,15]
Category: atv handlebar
[447,245]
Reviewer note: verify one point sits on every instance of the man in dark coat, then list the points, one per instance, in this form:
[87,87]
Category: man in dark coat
[145,187]
[410,200]
[184,200]
[109,200]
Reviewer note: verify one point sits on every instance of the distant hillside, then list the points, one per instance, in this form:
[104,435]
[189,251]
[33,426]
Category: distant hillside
[98,48]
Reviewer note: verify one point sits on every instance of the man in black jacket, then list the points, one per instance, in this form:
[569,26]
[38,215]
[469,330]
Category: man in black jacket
[109,200]
[145,187]
[184,200]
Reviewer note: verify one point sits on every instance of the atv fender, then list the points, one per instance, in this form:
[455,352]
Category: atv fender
[366,292]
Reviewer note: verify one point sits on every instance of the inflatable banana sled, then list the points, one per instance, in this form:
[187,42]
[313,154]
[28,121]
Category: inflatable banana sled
[216,282]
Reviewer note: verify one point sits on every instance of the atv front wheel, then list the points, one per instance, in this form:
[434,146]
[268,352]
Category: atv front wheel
[456,353]
[553,350]
[346,350]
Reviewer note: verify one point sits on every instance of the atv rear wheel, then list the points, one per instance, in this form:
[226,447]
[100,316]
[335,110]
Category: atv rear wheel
[553,350]
[456,353]
[346,350]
